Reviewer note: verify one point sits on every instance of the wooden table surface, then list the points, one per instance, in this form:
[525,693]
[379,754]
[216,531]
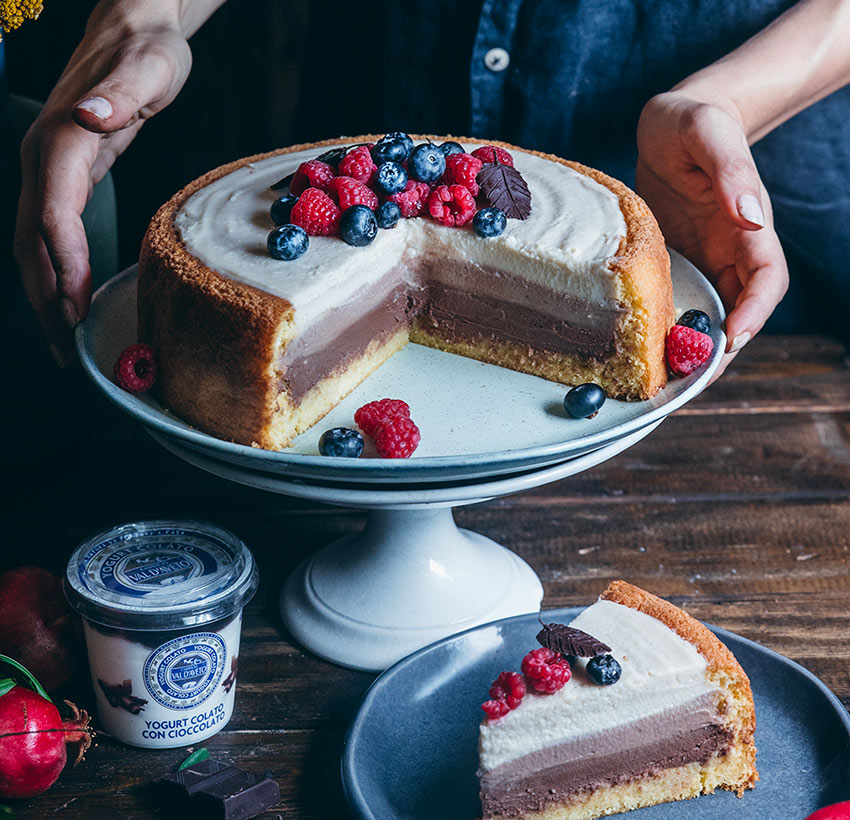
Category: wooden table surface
[737,508]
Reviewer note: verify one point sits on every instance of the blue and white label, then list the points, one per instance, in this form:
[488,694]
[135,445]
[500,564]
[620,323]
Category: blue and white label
[185,671]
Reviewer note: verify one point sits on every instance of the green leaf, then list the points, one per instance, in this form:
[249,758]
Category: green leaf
[6,811]
[196,757]
[6,684]
[27,676]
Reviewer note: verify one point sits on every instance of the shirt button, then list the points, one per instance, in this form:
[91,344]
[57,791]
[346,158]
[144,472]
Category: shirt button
[497,59]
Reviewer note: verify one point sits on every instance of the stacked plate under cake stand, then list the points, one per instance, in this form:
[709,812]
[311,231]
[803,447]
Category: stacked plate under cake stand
[411,577]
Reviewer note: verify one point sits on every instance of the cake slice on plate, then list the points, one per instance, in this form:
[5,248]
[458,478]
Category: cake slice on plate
[649,707]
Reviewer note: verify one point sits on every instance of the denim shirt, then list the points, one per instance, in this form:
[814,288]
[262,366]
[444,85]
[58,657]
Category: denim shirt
[570,77]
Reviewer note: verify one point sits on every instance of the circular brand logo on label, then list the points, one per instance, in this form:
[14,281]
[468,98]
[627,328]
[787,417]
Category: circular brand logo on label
[184,672]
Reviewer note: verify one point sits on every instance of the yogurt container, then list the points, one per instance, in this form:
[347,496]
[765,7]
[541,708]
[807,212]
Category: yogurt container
[162,613]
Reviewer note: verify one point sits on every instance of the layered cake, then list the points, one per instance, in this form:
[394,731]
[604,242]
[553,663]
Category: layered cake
[660,711]
[256,350]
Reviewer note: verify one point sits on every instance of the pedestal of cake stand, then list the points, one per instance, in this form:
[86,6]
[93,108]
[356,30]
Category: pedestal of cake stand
[408,579]
[411,577]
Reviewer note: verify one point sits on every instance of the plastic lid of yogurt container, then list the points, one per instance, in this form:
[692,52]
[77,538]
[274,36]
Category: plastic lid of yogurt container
[160,575]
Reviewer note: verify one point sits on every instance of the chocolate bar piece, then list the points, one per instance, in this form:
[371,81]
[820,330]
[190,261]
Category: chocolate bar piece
[213,789]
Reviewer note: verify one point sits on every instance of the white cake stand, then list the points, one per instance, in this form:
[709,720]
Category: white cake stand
[411,576]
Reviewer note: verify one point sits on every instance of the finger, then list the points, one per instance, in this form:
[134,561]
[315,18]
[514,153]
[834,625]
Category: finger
[145,79]
[64,186]
[37,275]
[718,145]
[764,277]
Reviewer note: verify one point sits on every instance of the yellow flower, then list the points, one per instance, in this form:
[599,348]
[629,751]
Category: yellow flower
[14,12]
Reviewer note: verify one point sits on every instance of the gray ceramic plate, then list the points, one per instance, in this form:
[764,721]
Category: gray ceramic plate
[477,420]
[412,749]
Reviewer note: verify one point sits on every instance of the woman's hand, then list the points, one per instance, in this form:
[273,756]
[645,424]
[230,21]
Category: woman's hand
[696,173]
[131,63]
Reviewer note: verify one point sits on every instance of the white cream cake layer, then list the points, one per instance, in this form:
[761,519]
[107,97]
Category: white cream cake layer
[575,227]
[660,672]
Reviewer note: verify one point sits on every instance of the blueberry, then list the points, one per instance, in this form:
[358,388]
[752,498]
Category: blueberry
[287,242]
[404,137]
[427,162]
[392,148]
[342,442]
[451,147]
[584,401]
[604,670]
[489,222]
[388,214]
[695,319]
[358,226]
[281,209]
[391,177]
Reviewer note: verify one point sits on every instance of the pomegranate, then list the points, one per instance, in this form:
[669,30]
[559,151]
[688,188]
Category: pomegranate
[837,811]
[33,737]
[37,626]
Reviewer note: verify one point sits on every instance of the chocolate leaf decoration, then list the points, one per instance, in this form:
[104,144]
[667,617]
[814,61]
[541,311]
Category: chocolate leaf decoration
[332,157]
[282,183]
[335,155]
[570,641]
[503,187]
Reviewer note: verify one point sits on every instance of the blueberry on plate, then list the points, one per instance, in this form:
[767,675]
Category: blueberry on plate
[281,209]
[427,162]
[391,177]
[358,226]
[342,442]
[287,242]
[489,222]
[391,149]
[604,670]
[388,214]
[450,147]
[695,319]
[584,401]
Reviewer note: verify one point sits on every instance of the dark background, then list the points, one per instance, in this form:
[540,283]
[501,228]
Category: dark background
[229,108]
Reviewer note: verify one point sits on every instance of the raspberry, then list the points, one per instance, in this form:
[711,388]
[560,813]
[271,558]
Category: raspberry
[358,163]
[396,437]
[412,199]
[487,153]
[350,191]
[462,169]
[451,205]
[495,708]
[837,811]
[546,671]
[509,687]
[135,369]
[687,349]
[316,212]
[312,174]
[370,416]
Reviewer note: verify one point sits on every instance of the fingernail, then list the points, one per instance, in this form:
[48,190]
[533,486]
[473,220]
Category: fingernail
[750,208]
[739,341]
[69,313]
[58,355]
[97,106]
